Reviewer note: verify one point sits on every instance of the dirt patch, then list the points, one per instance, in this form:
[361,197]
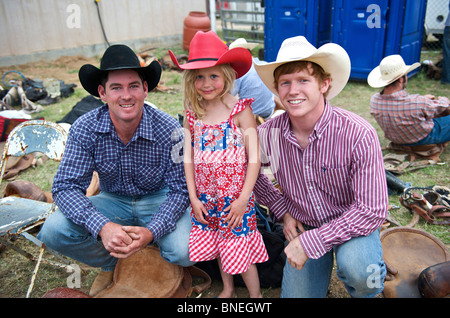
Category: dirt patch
[64,68]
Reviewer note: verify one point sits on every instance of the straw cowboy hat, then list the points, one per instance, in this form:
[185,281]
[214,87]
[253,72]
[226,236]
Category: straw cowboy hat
[331,57]
[208,50]
[118,57]
[241,42]
[391,68]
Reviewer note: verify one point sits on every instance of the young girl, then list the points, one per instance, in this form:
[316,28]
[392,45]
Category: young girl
[221,162]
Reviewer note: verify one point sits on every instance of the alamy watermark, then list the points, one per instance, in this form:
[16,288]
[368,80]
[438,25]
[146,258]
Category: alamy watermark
[374,279]
[373,20]
[73,20]
[74,279]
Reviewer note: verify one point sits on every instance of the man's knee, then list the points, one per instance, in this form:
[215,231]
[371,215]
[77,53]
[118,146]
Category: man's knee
[367,281]
[50,230]
[363,273]
[180,257]
[174,246]
[58,231]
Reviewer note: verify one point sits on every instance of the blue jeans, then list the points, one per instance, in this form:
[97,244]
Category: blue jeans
[360,267]
[439,134]
[74,241]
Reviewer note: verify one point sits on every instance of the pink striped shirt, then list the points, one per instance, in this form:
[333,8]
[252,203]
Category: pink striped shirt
[337,184]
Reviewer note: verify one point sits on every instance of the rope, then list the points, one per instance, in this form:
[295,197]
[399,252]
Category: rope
[9,84]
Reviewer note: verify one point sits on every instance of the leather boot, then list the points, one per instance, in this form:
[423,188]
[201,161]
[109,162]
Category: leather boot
[434,281]
[103,280]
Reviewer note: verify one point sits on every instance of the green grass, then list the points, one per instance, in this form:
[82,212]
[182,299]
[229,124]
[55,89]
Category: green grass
[15,270]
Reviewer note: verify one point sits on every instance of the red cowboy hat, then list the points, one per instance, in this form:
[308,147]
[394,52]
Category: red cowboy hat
[208,50]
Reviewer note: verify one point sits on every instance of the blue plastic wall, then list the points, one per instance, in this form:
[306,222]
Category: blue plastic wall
[289,18]
[368,30]
[369,34]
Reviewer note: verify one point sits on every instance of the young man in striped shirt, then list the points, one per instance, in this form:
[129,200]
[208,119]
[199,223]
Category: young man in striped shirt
[329,165]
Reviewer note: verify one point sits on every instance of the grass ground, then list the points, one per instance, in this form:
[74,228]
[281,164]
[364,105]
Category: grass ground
[15,270]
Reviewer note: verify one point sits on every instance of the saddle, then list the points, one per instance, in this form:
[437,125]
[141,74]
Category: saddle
[434,281]
[425,151]
[407,252]
[432,204]
[29,190]
[146,274]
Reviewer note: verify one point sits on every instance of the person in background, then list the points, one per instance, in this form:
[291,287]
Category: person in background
[266,104]
[406,119]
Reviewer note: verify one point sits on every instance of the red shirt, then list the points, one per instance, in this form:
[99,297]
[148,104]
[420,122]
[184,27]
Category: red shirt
[336,184]
[404,118]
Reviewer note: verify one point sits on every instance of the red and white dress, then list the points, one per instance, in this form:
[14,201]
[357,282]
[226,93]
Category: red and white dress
[220,162]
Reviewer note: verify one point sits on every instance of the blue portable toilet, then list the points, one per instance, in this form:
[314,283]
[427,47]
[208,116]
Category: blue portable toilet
[370,31]
[412,31]
[289,18]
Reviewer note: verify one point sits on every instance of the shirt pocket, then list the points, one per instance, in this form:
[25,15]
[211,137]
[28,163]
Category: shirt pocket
[334,181]
[148,177]
[108,171]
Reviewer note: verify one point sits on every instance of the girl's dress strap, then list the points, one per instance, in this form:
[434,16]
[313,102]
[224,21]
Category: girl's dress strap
[191,118]
[241,105]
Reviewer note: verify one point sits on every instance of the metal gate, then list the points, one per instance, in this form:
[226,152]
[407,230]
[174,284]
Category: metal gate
[242,19]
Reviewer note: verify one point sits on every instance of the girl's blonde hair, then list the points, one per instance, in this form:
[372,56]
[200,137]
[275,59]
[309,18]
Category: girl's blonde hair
[192,101]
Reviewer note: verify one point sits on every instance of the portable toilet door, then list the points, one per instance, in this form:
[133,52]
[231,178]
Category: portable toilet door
[360,28]
[289,18]
[405,27]
[412,31]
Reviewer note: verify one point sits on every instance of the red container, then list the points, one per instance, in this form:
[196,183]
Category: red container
[195,21]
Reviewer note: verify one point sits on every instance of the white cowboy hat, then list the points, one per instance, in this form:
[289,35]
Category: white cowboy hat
[331,57]
[391,68]
[241,42]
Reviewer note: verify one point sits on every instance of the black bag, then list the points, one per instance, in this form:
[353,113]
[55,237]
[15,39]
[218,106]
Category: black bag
[271,272]
[85,105]
[34,90]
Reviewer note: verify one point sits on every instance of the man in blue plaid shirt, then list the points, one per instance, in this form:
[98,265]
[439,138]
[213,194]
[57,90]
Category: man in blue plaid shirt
[135,149]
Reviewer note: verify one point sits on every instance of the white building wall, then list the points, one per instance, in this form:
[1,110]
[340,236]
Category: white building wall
[31,30]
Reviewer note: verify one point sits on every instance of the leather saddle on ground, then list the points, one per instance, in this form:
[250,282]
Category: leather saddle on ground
[407,252]
[146,275]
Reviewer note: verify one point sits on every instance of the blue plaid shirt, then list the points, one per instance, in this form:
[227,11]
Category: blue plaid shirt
[151,161]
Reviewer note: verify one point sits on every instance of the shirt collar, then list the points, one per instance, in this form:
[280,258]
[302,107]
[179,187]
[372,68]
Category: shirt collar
[145,128]
[396,94]
[319,127]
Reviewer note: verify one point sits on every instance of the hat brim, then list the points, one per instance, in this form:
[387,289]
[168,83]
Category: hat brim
[248,46]
[240,60]
[90,76]
[375,79]
[331,57]
[245,45]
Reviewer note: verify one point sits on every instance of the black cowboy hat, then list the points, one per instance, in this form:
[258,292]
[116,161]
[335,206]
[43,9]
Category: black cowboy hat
[118,57]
